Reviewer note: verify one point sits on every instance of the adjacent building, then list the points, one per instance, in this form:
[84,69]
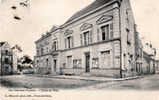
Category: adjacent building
[99,40]
[8,59]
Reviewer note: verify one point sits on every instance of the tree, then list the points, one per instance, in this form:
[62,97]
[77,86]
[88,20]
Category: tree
[26,60]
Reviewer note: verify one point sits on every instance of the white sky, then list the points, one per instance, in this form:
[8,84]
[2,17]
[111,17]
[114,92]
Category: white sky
[43,14]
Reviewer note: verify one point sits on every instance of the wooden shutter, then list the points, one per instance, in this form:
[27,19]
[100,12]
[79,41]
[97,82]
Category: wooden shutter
[72,39]
[57,45]
[90,36]
[65,42]
[111,31]
[81,38]
[98,36]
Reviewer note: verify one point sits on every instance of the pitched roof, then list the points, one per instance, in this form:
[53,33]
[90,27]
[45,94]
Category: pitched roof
[89,8]
[1,44]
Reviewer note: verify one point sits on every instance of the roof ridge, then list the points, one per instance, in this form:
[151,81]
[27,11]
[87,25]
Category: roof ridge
[94,5]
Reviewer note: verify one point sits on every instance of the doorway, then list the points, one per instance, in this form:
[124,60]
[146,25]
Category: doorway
[55,65]
[87,62]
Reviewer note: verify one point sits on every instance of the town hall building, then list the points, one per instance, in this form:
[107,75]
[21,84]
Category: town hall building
[98,40]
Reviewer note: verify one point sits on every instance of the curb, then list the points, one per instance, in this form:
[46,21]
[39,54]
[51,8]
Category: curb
[124,79]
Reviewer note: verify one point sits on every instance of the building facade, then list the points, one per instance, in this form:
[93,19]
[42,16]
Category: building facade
[6,59]
[99,40]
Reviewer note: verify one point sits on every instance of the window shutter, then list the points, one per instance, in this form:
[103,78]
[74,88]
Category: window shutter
[98,36]
[65,42]
[57,45]
[72,41]
[81,38]
[90,36]
[111,30]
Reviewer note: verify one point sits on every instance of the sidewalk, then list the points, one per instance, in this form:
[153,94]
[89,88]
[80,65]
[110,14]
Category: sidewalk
[90,78]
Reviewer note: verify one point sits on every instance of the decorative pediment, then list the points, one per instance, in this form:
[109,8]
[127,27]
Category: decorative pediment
[68,32]
[86,26]
[104,18]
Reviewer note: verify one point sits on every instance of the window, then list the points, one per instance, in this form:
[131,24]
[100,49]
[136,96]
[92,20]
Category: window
[105,58]
[69,42]
[47,50]
[6,60]
[128,36]
[95,63]
[37,63]
[42,51]
[47,62]
[6,52]
[77,63]
[37,52]
[69,61]
[86,38]
[105,32]
[54,47]
[124,60]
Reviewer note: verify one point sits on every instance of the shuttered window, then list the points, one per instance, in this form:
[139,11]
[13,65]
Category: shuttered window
[90,37]
[65,43]
[81,39]
[72,39]
[111,30]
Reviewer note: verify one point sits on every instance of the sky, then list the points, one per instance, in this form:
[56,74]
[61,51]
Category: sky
[40,15]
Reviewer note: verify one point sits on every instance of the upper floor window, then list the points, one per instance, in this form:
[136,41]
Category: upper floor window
[105,32]
[47,62]
[6,51]
[128,36]
[6,60]
[86,38]
[69,42]
[42,51]
[54,47]
[38,52]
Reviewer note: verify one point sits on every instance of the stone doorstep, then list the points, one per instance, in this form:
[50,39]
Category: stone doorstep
[102,79]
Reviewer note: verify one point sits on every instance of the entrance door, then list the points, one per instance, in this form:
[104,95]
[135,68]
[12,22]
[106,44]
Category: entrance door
[87,57]
[55,65]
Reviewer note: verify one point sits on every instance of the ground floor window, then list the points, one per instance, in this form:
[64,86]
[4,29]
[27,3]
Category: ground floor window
[69,61]
[77,63]
[95,63]
[105,59]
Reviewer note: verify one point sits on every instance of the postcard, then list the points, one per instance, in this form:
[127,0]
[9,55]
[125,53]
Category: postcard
[79,50]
